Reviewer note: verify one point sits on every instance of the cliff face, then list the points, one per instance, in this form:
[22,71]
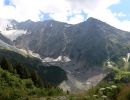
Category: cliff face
[90,42]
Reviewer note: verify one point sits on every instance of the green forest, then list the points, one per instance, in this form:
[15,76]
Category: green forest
[17,83]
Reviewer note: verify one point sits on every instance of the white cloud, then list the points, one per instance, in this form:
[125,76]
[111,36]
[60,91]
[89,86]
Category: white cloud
[31,9]
[62,16]
[76,19]
[90,5]
[60,10]
[100,9]
[120,14]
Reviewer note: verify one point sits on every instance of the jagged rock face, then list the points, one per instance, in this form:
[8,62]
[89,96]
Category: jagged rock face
[90,42]
[45,38]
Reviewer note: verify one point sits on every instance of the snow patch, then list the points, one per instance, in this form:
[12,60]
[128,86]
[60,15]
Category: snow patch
[8,30]
[34,54]
[48,59]
[24,51]
[13,34]
[60,58]
[63,59]
[67,25]
[51,25]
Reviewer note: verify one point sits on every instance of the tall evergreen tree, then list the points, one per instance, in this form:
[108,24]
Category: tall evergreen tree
[6,65]
[26,72]
[36,79]
[22,71]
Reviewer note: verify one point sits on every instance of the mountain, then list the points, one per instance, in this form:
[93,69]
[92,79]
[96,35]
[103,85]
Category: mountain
[68,56]
[16,56]
[8,29]
[71,56]
[5,39]
[89,43]
[27,58]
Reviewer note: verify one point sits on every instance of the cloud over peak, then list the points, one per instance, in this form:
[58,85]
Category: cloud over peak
[70,11]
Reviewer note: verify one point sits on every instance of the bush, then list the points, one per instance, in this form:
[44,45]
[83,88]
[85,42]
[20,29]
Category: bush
[54,92]
[28,83]
[104,91]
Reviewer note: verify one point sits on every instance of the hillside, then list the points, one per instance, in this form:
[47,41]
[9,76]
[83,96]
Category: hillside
[35,64]
[15,88]
[15,56]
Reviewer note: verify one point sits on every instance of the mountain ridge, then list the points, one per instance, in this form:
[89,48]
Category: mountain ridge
[87,45]
[52,39]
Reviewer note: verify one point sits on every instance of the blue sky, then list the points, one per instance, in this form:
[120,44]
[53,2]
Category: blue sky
[7,2]
[124,7]
[113,12]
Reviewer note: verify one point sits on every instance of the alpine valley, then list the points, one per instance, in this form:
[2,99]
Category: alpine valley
[60,59]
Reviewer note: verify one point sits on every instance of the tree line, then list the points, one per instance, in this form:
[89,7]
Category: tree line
[24,73]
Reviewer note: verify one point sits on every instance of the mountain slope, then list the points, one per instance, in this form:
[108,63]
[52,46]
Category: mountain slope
[15,56]
[88,43]
[42,36]
[5,39]
[32,63]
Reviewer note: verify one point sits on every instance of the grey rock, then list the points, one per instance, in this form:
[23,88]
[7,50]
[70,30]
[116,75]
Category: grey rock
[90,42]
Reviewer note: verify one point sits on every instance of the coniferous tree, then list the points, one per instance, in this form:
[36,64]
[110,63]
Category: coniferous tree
[22,71]
[36,79]
[26,72]
[6,65]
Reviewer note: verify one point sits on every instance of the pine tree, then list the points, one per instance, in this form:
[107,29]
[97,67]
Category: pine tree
[22,71]
[26,73]
[6,65]
[36,79]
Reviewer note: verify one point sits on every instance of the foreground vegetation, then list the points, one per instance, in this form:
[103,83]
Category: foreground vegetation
[17,83]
